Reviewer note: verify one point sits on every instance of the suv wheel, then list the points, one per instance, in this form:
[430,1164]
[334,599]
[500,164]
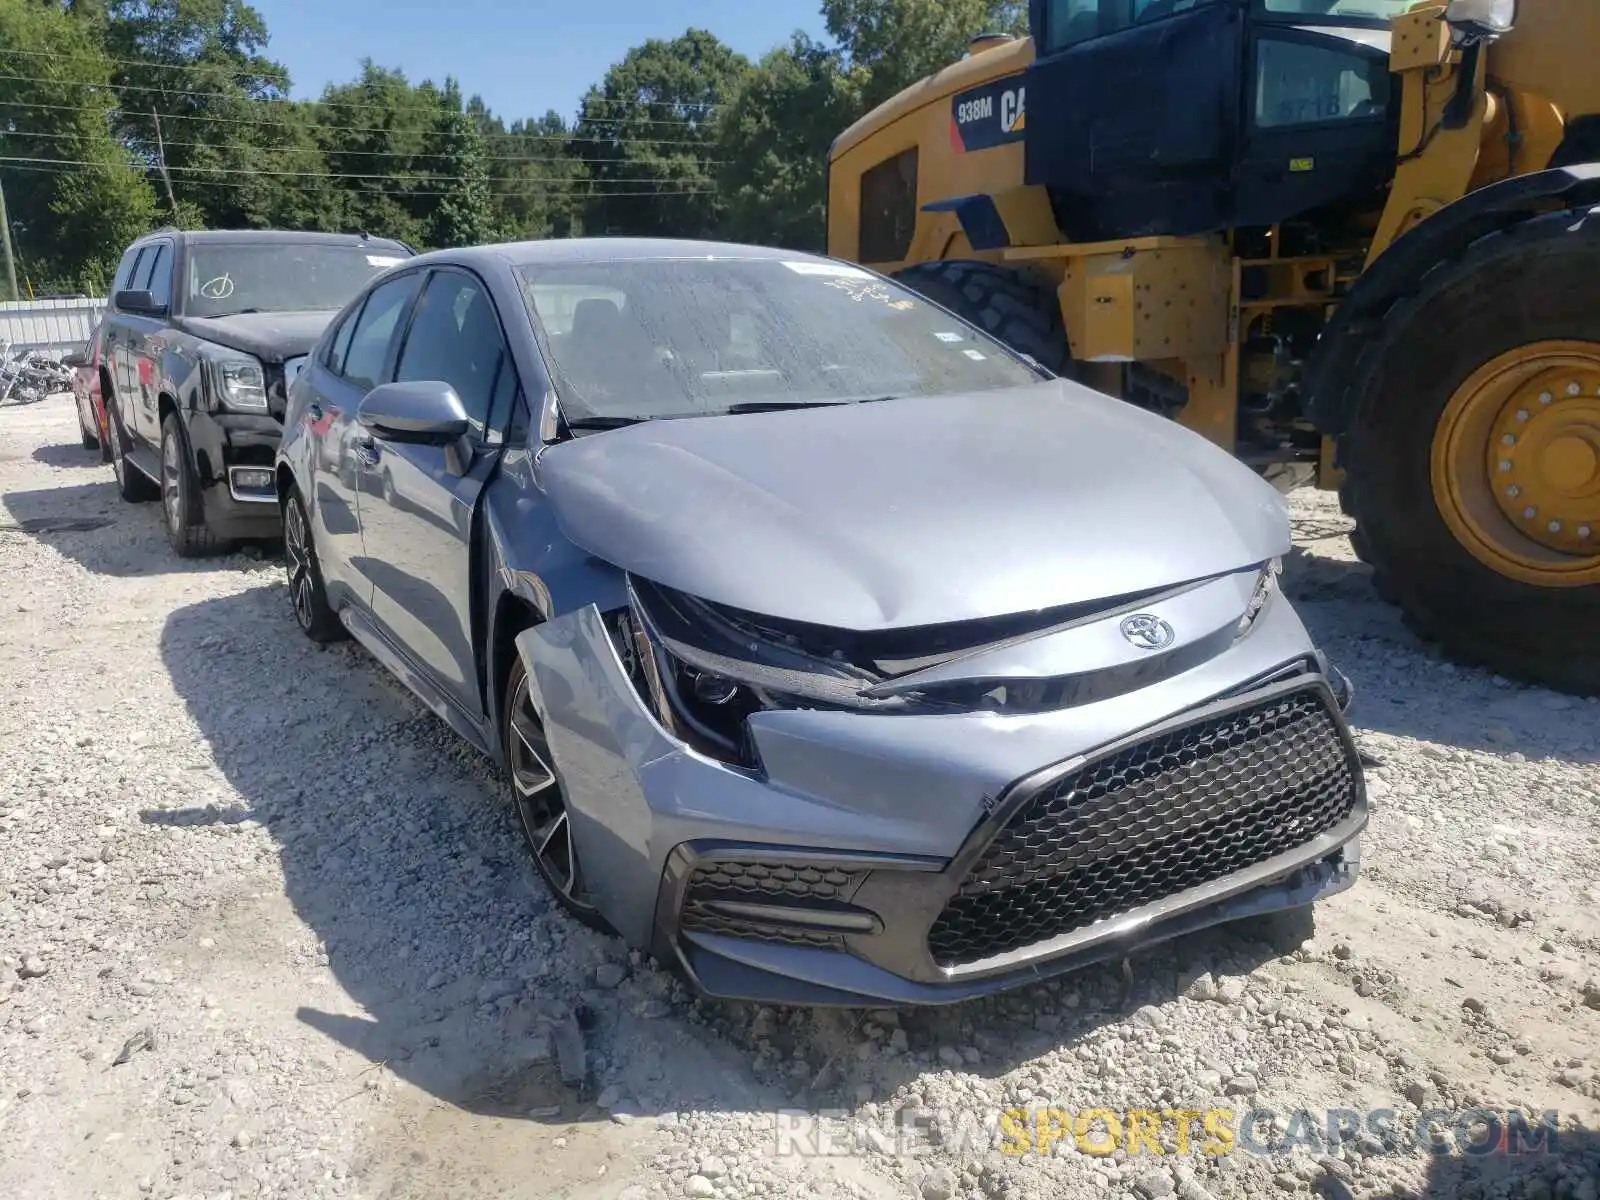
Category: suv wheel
[312,611]
[180,499]
[541,801]
[132,484]
[91,441]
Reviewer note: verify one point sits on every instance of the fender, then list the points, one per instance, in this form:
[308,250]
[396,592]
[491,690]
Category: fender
[1342,361]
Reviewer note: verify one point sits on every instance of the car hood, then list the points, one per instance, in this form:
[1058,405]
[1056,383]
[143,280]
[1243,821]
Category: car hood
[271,336]
[911,512]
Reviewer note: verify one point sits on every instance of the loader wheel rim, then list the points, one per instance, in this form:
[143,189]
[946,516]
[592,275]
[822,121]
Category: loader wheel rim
[1516,464]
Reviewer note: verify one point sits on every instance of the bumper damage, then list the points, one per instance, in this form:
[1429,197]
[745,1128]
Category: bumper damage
[863,858]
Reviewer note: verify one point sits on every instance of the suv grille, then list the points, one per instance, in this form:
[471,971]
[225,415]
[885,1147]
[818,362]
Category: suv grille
[798,885]
[1183,809]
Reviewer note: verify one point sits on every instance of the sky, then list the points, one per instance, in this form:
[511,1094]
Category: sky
[524,57]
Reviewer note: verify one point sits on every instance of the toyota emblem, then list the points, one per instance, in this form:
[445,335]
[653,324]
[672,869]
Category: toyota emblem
[1147,632]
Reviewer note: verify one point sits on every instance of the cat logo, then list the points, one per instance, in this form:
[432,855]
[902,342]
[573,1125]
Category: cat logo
[988,116]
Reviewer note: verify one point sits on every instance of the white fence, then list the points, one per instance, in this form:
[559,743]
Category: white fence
[51,325]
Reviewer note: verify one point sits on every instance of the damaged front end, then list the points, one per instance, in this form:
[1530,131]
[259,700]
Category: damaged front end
[816,815]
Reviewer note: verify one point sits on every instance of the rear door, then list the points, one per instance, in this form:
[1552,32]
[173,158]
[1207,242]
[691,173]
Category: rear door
[416,511]
[359,356]
[119,342]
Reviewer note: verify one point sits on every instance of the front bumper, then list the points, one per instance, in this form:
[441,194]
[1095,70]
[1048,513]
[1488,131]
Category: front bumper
[929,859]
[223,445]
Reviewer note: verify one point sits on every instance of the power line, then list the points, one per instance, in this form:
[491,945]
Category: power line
[166,91]
[111,107]
[86,162]
[574,187]
[507,158]
[251,72]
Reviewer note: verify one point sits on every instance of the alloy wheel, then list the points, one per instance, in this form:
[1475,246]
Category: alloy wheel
[171,497]
[541,804]
[297,555]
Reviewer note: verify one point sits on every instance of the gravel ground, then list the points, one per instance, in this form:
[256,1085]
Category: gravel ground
[267,929]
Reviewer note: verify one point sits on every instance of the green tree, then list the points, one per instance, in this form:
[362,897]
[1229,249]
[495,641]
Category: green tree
[536,176]
[80,199]
[890,44]
[648,131]
[773,140]
[197,92]
[465,214]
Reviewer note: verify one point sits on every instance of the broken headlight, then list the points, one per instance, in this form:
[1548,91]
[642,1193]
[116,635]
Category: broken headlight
[1266,588]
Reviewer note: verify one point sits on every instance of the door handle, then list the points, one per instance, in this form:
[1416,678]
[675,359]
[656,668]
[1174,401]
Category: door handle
[366,451]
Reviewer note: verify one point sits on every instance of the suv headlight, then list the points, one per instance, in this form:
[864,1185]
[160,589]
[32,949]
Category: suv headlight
[1480,20]
[238,383]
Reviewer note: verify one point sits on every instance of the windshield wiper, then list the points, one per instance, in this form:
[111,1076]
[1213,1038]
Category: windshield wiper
[760,406]
[610,422]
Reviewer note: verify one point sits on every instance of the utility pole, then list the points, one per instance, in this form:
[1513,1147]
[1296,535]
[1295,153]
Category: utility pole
[11,258]
[161,160]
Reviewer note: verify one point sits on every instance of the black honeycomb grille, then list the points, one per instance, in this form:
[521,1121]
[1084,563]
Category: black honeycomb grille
[798,884]
[1181,810]
[697,918]
[767,881]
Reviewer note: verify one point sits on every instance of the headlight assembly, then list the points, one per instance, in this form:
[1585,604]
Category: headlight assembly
[1266,588]
[238,384]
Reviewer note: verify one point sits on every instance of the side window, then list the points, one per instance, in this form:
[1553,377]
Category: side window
[366,356]
[155,273]
[129,266]
[339,344]
[1068,22]
[889,209]
[455,338]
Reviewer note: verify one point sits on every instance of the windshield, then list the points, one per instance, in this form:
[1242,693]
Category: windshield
[223,279]
[1377,11]
[688,337]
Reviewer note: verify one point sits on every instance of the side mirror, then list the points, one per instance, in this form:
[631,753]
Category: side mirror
[75,358]
[138,301]
[425,412]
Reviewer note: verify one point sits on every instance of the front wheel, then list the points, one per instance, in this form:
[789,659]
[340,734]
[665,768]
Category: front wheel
[180,495]
[1473,466]
[542,802]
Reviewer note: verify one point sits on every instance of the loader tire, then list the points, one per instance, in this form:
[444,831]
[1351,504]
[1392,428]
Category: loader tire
[998,301]
[1488,347]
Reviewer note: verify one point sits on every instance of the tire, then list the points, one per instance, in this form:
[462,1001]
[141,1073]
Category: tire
[998,301]
[90,441]
[540,800]
[181,509]
[307,595]
[1530,284]
[133,485]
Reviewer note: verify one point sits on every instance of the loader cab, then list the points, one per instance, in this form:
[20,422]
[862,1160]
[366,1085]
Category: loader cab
[1184,117]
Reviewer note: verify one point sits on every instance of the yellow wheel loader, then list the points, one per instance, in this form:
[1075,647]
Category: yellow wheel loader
[1353,241]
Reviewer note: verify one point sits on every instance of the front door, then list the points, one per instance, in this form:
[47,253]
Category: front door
[418,502]
[360,356]
[147,343]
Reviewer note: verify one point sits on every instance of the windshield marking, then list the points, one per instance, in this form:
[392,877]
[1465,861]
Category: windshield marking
[219,288]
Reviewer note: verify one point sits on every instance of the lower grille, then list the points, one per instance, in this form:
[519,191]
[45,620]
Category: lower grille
[1181,810]
[697,918]
[797,885]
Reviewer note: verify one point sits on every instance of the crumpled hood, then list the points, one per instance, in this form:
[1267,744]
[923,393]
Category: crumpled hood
[271,337]
[915,512]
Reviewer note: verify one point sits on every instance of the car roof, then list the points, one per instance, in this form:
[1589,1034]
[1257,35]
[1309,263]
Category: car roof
[245,237]
[612,249]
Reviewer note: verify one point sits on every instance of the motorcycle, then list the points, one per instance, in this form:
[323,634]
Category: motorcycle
[31,375]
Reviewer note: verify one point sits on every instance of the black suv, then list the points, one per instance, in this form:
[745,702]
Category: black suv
[204,333]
